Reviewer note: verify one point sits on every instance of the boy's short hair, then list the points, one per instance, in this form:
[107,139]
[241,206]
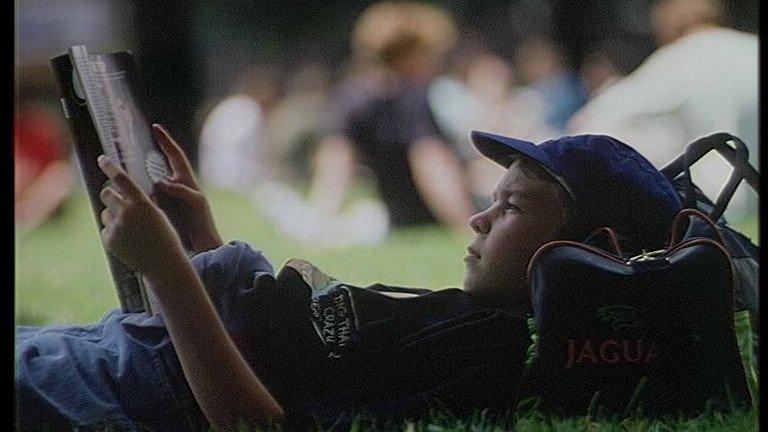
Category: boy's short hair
[609,183]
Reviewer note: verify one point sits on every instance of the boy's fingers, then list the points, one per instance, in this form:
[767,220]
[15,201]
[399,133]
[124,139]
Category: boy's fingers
[110,197]
[176,157]
[177,190]
[106,216]
[107,237]
[119,178]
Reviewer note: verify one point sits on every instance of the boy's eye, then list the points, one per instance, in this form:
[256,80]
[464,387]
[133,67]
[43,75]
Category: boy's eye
[511,208]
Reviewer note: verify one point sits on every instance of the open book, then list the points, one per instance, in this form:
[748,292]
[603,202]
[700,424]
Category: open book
[99,99]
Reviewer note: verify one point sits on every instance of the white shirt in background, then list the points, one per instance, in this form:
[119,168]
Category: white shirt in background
[233,145]
[704,82]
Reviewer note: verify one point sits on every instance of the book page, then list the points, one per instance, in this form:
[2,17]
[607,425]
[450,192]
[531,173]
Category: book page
[124,125]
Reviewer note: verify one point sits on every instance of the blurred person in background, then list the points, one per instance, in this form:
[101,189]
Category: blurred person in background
[379,117]
[531,99]
[702,79]
[294,121]
[393,131]
[234,140]
[476,91]
[43,174]
[320,218]
[552,88]
[602,66]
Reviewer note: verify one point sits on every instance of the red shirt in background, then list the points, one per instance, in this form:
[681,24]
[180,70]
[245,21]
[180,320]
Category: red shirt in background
[37,144]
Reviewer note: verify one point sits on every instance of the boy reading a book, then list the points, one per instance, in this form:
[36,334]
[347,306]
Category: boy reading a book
[235,341]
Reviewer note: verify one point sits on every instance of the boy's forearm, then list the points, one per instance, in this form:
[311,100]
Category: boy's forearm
[225,387]
[138,233]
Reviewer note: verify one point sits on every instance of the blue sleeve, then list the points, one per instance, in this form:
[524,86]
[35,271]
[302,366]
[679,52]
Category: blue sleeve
[229,272]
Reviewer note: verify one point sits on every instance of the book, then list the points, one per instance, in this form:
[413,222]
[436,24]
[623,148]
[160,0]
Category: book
[100,100]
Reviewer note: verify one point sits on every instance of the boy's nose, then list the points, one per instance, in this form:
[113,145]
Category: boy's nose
[479,223]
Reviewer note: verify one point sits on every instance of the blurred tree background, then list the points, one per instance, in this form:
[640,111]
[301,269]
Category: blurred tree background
[188,52]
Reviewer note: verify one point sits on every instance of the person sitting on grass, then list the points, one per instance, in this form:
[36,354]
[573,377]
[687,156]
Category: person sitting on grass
[236,342]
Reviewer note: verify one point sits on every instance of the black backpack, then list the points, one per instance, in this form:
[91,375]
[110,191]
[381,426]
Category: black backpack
[744,254]
[651,334]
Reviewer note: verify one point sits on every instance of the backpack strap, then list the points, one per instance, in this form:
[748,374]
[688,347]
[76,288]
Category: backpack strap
[613,239]
[687,178]
[678,231]
[737,156]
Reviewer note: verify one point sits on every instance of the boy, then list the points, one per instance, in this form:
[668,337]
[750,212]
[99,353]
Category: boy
[251,351]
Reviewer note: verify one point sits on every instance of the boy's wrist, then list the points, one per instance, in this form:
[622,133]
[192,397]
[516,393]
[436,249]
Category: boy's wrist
[167,265]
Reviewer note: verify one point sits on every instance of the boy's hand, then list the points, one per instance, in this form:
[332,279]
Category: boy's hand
[135,230]
[181,199]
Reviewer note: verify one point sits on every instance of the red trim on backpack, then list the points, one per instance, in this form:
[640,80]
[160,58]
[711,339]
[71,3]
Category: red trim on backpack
[691,212]
[611,236]
[671,248]
[546,247]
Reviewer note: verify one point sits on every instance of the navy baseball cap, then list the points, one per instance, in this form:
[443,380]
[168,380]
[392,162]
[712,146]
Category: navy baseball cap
[611,184]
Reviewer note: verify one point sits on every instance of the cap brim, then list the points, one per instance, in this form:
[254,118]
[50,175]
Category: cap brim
[502,150]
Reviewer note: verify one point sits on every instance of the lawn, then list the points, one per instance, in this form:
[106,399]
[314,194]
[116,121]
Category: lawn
[61,276]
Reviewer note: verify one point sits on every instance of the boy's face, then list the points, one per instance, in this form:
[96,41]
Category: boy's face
[526,213]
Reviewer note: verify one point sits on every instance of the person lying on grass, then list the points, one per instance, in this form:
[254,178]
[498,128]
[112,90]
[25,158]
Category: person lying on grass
[236,342]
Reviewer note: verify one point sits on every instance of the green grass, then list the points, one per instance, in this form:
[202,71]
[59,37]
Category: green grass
[536,422]
[61,276]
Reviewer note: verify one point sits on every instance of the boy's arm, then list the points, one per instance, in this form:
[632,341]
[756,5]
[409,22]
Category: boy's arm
[225,387]
[139,234]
